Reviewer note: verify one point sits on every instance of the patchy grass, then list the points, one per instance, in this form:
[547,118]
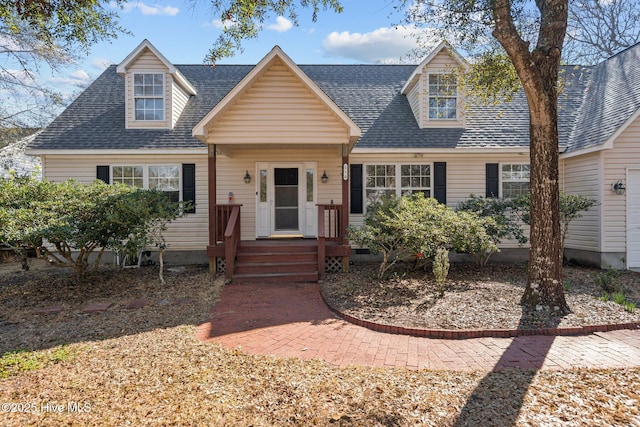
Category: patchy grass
[14,362]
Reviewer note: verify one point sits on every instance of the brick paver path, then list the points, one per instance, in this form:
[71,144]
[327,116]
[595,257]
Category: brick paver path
[291,320]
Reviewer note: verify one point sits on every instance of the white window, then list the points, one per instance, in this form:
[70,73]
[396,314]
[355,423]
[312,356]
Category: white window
[167,179]
[157,177]
[148,92]
[130,175]
[380,181]
[396,180]
[514,179]
[414,178]
[443,97]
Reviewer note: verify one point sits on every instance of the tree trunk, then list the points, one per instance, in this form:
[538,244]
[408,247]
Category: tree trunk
[538,71]
[544,282]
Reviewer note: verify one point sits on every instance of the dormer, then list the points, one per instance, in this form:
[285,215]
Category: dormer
[155,91]
[433,91]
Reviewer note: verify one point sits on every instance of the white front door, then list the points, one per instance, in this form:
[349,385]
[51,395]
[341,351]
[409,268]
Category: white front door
[633,218]
[286,199]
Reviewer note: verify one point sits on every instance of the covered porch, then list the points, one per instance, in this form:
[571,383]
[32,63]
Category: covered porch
[278,175]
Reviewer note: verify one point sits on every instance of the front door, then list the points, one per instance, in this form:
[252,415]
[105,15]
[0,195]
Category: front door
[286,199]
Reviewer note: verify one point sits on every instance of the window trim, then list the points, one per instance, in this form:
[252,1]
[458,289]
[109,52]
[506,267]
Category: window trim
[398,179]
[501,181]
[432,96]
[145,174]
[136,97]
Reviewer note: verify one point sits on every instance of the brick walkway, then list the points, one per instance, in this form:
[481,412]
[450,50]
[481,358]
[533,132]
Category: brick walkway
[291,320]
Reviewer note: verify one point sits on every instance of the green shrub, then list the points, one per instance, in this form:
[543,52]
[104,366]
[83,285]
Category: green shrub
[415,228]
[67,222]
[504,213]
[440,268]
[571,207]
[608,281]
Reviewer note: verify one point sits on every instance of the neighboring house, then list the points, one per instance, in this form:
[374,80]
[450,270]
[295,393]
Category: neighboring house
[14,160]
[283,147]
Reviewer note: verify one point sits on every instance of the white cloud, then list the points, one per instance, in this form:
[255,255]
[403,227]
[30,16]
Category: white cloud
[20,77]
[101,63]
[386,45]
[146,9]
[78,78]
[282,25]
[220,24]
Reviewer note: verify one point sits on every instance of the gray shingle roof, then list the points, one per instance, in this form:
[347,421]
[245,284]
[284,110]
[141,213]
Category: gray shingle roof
[610,98]
[594,103]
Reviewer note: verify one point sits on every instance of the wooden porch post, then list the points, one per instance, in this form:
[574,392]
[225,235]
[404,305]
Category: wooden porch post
[345,193]
[213,212]
[345,202]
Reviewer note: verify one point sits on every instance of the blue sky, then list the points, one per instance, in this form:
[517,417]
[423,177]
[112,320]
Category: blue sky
[363,33]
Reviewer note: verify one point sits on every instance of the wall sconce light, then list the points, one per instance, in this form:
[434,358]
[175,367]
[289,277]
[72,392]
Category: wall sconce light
[619,187]
[324,178]
[247,178]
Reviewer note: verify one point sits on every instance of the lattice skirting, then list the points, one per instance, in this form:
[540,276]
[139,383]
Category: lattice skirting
[333,264]
[221,265]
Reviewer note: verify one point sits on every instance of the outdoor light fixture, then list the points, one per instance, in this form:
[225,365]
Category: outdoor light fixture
[247,178]
[324,178]
[619,187]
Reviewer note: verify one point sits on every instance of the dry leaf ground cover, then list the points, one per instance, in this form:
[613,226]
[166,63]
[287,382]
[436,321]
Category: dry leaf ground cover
[144,366]
[477,298]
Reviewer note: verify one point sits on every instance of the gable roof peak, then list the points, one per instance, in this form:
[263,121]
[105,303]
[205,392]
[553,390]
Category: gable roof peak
[199,131]
[147,45]
[443,45]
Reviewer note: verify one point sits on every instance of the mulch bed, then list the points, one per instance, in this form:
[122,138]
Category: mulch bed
[474,298]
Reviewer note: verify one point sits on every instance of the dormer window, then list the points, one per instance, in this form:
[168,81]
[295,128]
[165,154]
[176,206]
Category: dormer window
[148,92]
[443,97]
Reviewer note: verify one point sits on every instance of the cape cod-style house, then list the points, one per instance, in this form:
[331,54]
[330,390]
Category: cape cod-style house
[279,158]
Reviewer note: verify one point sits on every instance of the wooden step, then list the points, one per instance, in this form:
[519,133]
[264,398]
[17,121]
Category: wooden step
[281,247]
[276,257]
[260,261]
[276,277]
[276,267]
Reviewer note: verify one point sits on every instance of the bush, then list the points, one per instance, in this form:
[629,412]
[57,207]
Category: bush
[504,213]
[67,222]
[415,228]
[571,207]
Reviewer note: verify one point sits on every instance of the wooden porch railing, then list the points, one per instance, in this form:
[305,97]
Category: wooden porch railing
[331,222]
[228,230]
[223,213]
[329,229]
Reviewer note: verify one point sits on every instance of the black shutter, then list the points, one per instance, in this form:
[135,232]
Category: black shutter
[356,189]
[102,173]
[189,185]
[493,180]
[440,182]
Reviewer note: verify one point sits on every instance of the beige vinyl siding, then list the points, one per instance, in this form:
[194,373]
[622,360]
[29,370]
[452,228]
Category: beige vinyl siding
[466,173]
[581,177]
[415,101]
[187,233]
[230,172]
[147,62]
[178,100]
[442,63]
[625,154]
[278,109]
